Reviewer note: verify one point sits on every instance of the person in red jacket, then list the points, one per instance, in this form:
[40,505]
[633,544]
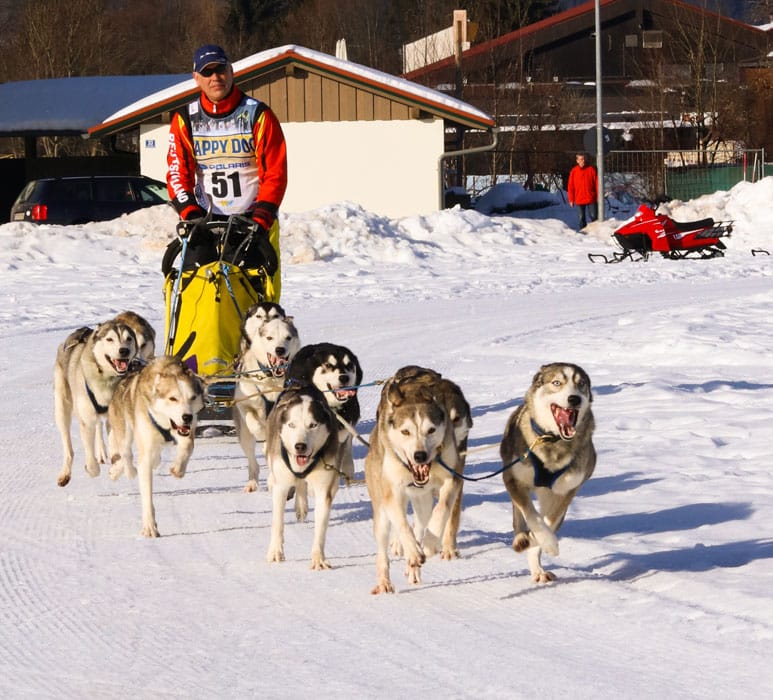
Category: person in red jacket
[583,190]
[227,153]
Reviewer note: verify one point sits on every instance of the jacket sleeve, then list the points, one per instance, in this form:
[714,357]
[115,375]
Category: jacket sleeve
[181,167]
[271,155]
[570,187]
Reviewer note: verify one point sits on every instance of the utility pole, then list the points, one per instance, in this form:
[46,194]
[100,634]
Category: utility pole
[460,37]
[599,115]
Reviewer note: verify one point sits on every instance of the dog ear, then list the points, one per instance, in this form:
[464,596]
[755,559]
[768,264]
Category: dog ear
[394,395]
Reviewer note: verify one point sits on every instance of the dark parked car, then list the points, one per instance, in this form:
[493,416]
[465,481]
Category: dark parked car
[77,200]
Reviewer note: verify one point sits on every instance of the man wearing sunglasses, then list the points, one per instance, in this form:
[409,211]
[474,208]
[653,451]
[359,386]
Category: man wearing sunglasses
[227,151]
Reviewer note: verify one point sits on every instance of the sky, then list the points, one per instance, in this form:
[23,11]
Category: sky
[665,569]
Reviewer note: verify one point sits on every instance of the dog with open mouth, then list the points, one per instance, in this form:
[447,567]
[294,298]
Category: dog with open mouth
[336,372]
[413,455]
[301,449]
[143,332]
[154,407]
[89,365]
[269,341]
[548,454]
[410,378]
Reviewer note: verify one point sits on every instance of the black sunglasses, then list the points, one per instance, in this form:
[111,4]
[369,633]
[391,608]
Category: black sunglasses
[209,71]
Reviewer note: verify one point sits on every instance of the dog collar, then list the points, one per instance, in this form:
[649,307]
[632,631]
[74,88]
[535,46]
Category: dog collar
[98,407]
[305,472]
[165,432]
[540,432]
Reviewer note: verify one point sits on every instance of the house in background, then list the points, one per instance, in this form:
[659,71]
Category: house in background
[353,133]
[542,77]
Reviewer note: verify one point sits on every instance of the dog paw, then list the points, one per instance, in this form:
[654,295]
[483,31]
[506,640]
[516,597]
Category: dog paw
[543,576]
[63,479]
[319,563]
[301,512]
[383,586]
[115,471]
[150,531]
[449,553]
[177,470]
[92,469]
[413,574]
[252,485]
[521,542]
[275,554]
[131,471]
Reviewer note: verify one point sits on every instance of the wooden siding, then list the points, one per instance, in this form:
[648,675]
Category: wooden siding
[297,95]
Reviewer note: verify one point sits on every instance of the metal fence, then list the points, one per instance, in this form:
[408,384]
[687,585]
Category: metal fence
[679,174]
[628,175]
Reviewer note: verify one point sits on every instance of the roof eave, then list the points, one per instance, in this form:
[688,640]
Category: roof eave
[293,59]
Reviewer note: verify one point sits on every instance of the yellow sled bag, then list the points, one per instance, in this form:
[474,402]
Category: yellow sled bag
[206,323]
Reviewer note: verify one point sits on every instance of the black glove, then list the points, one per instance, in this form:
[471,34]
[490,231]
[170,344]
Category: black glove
[260,248]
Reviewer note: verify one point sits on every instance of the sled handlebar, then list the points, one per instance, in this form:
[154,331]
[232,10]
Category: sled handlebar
[236,222]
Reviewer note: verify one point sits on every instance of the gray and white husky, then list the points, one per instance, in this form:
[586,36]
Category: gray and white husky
[548,450]
[89,365]
[269,341]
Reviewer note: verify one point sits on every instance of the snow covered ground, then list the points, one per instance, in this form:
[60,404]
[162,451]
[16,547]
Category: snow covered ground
[666,565]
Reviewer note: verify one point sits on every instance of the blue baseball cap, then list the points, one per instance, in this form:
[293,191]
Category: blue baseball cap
[207,55]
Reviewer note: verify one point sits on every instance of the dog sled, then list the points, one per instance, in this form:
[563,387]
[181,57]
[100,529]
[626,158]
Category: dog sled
[214,271]
[648,232]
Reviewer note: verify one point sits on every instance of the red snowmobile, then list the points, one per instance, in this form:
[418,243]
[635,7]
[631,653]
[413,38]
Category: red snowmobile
[648,232]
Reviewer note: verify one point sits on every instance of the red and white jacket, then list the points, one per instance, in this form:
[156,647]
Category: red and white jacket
[232,154]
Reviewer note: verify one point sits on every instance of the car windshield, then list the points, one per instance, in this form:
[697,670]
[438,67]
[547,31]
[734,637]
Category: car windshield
[153,191]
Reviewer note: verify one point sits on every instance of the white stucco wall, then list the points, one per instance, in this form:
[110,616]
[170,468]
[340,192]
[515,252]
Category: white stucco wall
[154,141]
[387,167]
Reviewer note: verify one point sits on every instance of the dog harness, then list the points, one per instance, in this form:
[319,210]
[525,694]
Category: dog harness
[98,407]
[166,433]
[542,476]
[305,472]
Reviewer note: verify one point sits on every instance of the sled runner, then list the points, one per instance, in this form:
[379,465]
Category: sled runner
[214,270]
[648,232]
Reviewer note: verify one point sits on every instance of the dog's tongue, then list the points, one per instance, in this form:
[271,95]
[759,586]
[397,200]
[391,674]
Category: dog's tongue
[277,364]
[345,394]
[121,365]
[566,419]
[301,460]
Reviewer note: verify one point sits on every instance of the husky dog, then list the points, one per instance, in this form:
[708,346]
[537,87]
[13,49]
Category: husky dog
[450,396]
[269,340]
[154,406]
[336,372]
[301,449]
[414,433]
[143,332]
[89,365]
[547,450]
[145,335]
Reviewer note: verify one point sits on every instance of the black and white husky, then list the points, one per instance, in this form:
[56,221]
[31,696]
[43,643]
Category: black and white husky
[301,449]
[336,372]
